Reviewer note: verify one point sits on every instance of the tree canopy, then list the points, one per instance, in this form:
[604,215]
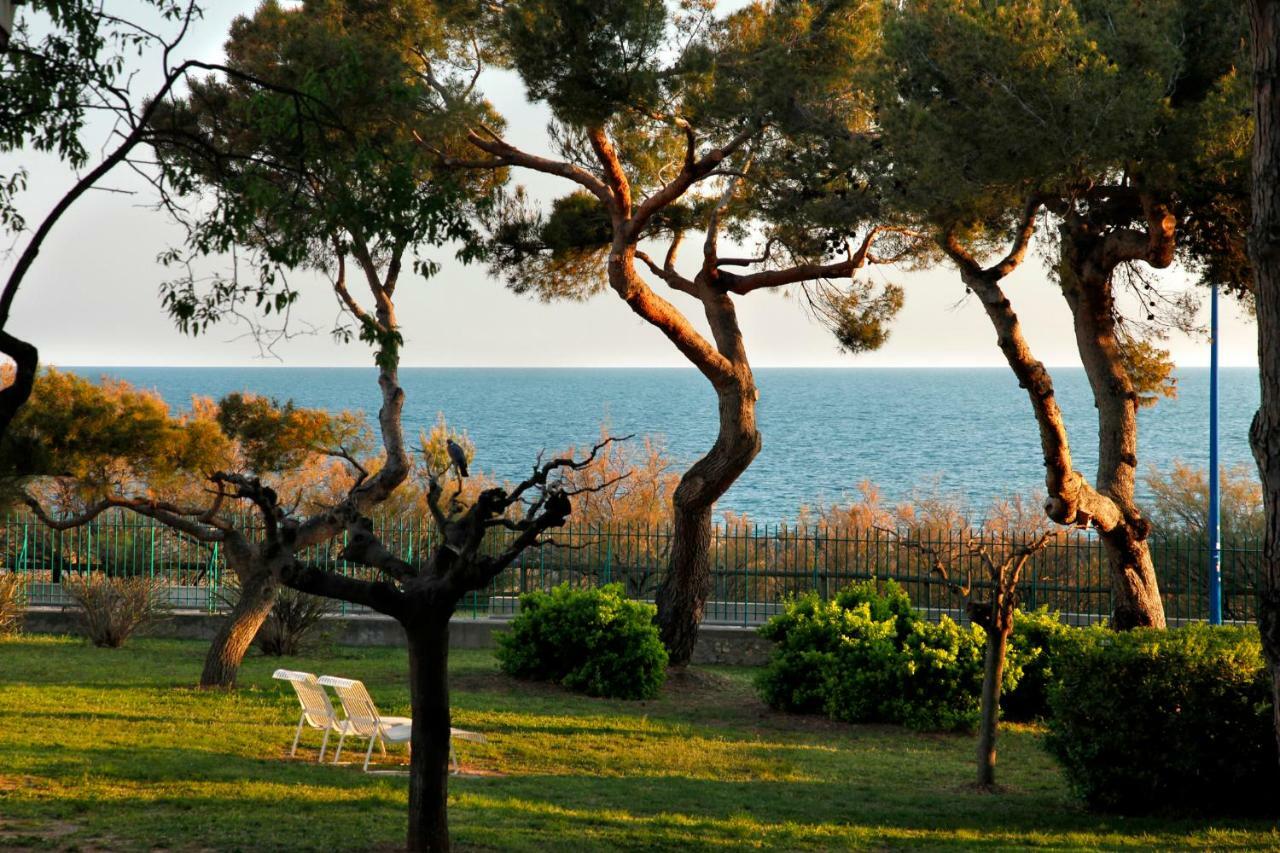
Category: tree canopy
[315,169]
[1085,103]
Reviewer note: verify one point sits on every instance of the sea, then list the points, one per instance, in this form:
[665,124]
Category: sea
[966,434]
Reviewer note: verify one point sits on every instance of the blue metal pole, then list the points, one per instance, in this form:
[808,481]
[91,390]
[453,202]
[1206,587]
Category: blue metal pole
[1215,508]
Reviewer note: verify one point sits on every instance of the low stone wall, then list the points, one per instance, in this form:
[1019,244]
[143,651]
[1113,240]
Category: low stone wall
[717,644]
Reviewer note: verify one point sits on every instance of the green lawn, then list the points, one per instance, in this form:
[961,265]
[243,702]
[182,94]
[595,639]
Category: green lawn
[112,750]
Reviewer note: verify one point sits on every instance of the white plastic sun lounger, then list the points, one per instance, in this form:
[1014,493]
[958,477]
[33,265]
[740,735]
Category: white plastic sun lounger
[365,721]
[317,710]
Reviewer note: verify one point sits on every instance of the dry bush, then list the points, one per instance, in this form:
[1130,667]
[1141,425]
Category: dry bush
[1180,500]
[113,609]
[637,484]
[293,623]
[13,604]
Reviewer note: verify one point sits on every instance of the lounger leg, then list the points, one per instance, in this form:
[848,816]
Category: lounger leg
[297,735]
[367,754]
[323,744]
[338,752]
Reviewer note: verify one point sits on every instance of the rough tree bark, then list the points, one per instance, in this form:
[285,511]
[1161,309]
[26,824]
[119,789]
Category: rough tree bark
[428,640]
[1088,263]
[1264,254]
[992,682]
[1109,506]
[258,587]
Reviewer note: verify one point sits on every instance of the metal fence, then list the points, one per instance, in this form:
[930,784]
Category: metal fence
[754,567]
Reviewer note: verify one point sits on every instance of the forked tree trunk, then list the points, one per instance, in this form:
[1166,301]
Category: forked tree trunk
[992,679]
[428,638]
[684,591]
[1085,274]
[257,596]
[1264,254]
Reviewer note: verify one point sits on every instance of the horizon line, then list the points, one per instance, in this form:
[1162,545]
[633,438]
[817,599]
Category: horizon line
[266,366]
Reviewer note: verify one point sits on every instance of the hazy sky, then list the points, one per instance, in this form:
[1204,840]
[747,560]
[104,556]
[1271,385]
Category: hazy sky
[92,297]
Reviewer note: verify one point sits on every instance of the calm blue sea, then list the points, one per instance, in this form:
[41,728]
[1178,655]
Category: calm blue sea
[967,433]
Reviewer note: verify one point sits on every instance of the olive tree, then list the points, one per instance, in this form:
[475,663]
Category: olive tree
[1120,129]
[423,595]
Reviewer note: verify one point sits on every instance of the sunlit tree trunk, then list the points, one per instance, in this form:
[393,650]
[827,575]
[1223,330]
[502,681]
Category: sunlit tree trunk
[1086,284]
[258,588]
[684,591]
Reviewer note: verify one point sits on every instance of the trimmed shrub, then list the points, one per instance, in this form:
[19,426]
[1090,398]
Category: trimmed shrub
[943,684]
[13,604]
[593,641]
[1038,638]
[293,624]
[112,609]
[1166,720]
[867,656]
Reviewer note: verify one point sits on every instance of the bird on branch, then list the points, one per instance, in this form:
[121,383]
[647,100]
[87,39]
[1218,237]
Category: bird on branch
[457,456]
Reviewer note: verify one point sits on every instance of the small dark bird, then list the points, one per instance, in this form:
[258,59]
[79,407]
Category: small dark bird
[557,507]
[457,456]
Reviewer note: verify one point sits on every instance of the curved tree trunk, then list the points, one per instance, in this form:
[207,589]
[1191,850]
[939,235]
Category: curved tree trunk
[26,360]
[1071,499]
[428,637]
[1135,592]
[257,596]
[684,591]
[1264,254]
[1085,274]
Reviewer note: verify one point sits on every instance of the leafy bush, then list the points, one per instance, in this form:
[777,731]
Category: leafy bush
[1153,720]
[113,609]
[1038,638]
[943,686]
[594,641]
[867,656]
[293,624]
[13,604]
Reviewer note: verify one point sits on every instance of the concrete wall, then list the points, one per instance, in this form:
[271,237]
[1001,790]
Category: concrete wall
[717,644]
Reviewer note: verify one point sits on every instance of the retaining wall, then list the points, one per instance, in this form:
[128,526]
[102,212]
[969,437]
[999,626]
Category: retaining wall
[717,644]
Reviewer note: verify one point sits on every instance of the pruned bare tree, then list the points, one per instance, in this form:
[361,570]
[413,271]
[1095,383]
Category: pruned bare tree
[990,607]
[422,597]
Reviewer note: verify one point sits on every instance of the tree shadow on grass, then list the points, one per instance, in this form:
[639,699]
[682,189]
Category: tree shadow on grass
[274,802]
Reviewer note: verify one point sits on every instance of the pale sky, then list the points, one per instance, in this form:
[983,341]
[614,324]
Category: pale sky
[92,296]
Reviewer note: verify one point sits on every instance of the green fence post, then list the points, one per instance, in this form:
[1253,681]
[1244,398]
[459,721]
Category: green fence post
[215,581]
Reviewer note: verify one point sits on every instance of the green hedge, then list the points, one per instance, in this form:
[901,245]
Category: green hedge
[1039,639]
[594,641]
[1179,719]
[868,656]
